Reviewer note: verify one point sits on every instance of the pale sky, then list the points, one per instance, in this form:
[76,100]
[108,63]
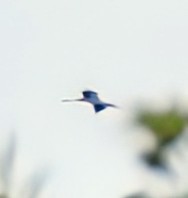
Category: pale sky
[50,50]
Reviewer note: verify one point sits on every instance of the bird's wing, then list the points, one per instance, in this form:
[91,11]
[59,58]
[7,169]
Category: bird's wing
[90,94]
[99,107]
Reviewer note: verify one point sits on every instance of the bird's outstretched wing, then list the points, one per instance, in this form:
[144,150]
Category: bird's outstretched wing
[90,94]
[99,107]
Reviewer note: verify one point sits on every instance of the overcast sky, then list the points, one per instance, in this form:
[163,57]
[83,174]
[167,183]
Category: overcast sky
[125,50]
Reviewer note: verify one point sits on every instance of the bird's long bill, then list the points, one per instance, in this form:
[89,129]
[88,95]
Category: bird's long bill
[72,100]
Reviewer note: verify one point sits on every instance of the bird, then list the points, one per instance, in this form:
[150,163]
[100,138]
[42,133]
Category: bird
[92,98]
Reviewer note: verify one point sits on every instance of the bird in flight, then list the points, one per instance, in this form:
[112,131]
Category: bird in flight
[92,98]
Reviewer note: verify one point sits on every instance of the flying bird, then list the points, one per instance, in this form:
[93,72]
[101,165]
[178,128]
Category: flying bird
[92,98]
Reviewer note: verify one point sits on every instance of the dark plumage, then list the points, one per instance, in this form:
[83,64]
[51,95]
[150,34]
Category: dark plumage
[99,107]
[92,98]
[89,94]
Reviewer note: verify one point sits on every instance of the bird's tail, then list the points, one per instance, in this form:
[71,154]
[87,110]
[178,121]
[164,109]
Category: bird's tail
[112,105]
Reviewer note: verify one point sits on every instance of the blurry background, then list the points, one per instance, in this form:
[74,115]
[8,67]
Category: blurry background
[128,51]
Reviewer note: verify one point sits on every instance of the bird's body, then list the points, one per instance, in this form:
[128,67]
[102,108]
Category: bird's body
[92,98]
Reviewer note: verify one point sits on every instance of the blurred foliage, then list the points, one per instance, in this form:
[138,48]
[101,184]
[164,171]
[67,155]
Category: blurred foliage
[3,196]
[137,195]
[154,158]
[166,125]
[33,185]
